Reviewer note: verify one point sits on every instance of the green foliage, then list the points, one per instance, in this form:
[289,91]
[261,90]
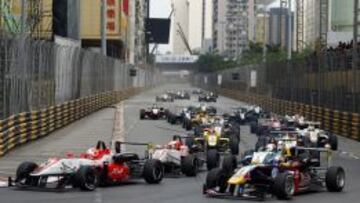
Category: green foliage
[211,62]
[254,55]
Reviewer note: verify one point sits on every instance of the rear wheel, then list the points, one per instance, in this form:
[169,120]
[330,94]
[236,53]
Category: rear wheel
[189,165]
[142,114]
[234,145]
[86,178]
[333,141]
[153,171]
[212,159]
[284,186]
[229,164]
[216,178]
[335,179]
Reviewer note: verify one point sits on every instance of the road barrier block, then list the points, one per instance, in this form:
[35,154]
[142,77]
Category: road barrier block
[28,126]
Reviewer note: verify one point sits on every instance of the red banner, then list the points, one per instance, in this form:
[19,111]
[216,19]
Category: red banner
[126,7]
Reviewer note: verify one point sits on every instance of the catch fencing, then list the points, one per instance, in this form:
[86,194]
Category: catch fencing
[323,87]
[37,74]
[44,86]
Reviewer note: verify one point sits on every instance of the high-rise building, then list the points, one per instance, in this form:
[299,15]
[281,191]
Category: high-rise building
[180,23]
[191,22]
[341,21]
[207,23]
[262,28]
[230,27]
[278,27]
[138,10]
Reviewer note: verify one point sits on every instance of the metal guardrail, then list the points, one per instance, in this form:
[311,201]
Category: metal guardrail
[28,126]
[338,122]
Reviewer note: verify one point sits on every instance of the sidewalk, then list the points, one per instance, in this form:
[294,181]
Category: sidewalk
[76,137]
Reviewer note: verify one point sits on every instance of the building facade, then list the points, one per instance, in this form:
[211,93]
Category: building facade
[278,27]
[230,27]
[136,52]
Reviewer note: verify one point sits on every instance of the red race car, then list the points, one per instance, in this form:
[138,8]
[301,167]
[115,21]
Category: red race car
[99,166]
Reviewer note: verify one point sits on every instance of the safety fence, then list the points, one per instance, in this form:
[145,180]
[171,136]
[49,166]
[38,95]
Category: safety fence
[28,126]
[37,74]
[339,122]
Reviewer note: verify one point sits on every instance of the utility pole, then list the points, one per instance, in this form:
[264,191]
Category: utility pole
[23,16]
[355,51]
[103,27]
[289,48]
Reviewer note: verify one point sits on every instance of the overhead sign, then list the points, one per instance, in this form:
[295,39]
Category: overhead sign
[157,30]
[205,80]
[219,77]
[253,78]
[176,58]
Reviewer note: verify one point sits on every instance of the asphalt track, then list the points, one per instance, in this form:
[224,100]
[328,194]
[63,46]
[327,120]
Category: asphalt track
[82,134]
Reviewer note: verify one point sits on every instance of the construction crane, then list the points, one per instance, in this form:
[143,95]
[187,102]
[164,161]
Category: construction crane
[181,33]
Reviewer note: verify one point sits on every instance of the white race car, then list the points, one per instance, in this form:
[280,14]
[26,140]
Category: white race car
[176,157]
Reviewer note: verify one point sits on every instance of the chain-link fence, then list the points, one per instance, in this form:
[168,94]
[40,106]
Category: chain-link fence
[37,74]
[329,80]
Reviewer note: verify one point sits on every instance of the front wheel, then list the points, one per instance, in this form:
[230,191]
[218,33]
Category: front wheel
[234,145]
[216,178]
[335,179]
[153,171]
[23,173]
[284,186]
[189,165]
[86,178]
[212,159]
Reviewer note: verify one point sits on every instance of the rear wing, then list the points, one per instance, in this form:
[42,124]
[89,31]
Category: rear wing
[325,151]
[119,144]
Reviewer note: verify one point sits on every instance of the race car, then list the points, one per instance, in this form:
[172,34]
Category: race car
[213,143]
[182,95]
[208,97]
[199,116]
[197,91]
[164,98]
[270,173]
[155,112]
[315,137]
[176,157]
[177,117]
[99,166]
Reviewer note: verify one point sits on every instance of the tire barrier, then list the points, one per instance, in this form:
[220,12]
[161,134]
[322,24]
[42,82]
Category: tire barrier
[28,126]
[341,123]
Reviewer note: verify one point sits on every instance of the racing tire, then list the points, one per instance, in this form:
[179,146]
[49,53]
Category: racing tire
[188,125]
[229,164]
[335,179]
[168,118]
[253,127]
[153,171]
[212,159]
[142,114]
[189,165]
[86,178]
[234,145]
[216,178]
[23,172]
[333,141]
[173,120]
[284,186]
